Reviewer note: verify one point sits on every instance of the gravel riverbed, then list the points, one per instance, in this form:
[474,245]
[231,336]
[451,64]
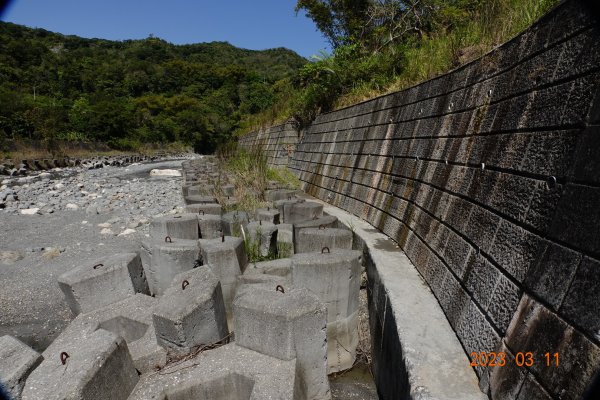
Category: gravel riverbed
[55,221]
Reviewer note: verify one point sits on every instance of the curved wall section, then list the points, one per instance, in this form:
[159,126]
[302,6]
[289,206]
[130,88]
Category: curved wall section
[489,179]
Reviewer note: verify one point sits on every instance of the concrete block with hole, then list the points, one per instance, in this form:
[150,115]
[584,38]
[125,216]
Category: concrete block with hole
[103,281]
[267,215]
[262,237]
[204,209]
[191,312]
[163,259]
[286,324]
[233,222]
[281,194]
[17,361]
[130,319]
[335,278]
[179,226]
[285,240]
[92,367]
[229,372]
[227,258]
[303,211]
[211,226]
[311,240]
[326,221]
[198,199]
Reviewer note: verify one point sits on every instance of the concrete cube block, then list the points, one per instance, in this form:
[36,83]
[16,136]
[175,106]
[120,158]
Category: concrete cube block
[263,237]
[200,190]
[211,226]
[281,194]
[284,208]
[327,221]
[335,278]
[17,360]
[285,240]
[228,190]
[233,222]
[104,281]
[165,259]
[180,226]
[97,366]
[130,319]
[198,199]
[227,258]
[204,209]
[303,211]
[315,239]
[268,215]
[286,326]
[191,312]
[229,372]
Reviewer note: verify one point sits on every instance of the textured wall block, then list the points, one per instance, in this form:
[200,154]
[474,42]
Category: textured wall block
[17,361]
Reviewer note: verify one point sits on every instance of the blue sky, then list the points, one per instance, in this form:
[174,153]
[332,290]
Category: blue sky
[251,24]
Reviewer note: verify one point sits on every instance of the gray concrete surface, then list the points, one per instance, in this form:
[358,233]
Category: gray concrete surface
[289,325]
[211,226]
[268,215]
[229,372]
[130,319]
[313,240]
[165,259]
[203,209]
[98,367]
[191,312]
[234,221]
[17,360]
[179,226]
[97,283]
[302,211]
[263,236]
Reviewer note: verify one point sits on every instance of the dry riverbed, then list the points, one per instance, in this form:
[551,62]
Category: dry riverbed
[53,222]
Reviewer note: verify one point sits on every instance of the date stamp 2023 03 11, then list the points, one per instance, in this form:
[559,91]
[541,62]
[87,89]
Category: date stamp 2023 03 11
[521,359]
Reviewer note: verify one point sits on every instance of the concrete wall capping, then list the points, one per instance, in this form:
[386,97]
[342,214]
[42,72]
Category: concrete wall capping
[488,179]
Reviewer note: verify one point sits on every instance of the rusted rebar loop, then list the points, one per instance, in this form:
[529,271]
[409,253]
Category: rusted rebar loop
[177,216]
[325,248]
[321,226]
[184,284]
[550,183]
[223,237]
[98,266]
[63,357]
[279,288]
[168,239]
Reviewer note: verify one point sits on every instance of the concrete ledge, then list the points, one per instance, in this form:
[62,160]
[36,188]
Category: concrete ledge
[416,354]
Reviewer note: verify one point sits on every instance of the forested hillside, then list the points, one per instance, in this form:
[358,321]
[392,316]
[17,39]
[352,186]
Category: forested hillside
[136,91]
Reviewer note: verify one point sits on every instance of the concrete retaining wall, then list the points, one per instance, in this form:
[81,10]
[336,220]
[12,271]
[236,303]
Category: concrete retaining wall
[279,143]
[489,179]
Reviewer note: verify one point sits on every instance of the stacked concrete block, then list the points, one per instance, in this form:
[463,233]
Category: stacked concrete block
[303,211]
[227,258]
[96,367]
[211,226]
[228,190]
[204,209]
[327,221]
[200,190]
[229,372]
[335,278]
[277,272]
[285,240]
[268,215]
[17,360]
[199,199]
[315,239]
[191,312]
[165,259]
[263,236]
[281,194]
[181,226]
[130,319]
[286,325]
[234,222]
[103,281]
[284,206]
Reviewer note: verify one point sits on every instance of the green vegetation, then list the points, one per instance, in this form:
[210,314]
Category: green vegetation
[55,87]
[381,46]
